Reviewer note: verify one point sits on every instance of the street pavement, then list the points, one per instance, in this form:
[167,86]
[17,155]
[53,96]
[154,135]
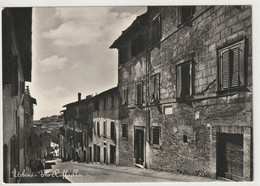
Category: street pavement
[75,172]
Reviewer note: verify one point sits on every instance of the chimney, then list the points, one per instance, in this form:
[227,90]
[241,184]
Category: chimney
[79,96]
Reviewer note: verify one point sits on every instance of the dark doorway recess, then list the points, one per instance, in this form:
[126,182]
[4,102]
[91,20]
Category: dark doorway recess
[230,156]
[139,146]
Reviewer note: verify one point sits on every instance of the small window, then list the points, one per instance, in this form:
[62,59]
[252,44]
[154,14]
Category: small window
[105,103]
[138,44]
[139,93]
[231,66]
[124,131]
[96,105]
[112,101]
[113,131]
[156,135]
[156,29]
[98,129]
[185,13]
[184,80]
[104,129]
[185,139]
[123,55]
[125,96]
[155,88]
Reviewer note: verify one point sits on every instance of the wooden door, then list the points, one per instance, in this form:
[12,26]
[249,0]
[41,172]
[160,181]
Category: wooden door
[230,156]
[139,146]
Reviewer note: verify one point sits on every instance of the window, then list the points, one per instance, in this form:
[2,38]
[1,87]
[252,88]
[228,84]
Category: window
[113,131]
[96,105]
[138,44]
[98,129]
[156,29]
[139,93]
[185,139]
[231,66]
[184,80]
[123,55]
[125,96]
[155,88]
[156,135]
[124,131]
[112,101]
[104,129]
[105,103]
[185,14]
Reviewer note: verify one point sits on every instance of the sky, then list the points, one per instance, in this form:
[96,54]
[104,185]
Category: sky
[70,53]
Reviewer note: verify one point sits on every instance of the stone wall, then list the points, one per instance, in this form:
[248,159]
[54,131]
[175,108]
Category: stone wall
[210,29]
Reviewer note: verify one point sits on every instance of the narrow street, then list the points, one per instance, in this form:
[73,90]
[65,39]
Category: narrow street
[75,172]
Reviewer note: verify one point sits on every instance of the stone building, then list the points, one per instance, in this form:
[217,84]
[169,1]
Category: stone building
[185,82]
[105,143]
[17,103]
[77,130]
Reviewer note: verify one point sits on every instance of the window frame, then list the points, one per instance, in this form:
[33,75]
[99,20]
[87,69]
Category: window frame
[181,19]
[140,83]
[158,34]
[125,137]
[241,66]
[155,145]
[155,90]
[104,128]
[125,95]
[191,74]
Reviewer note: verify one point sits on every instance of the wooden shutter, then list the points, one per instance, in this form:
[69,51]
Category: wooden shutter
[157,87]
[178,82]
[225,69]
[234,67]
[156,135]
[241,64]
[152,96]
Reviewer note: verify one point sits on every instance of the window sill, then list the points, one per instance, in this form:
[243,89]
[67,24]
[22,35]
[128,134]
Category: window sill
[157,147]
[233,90]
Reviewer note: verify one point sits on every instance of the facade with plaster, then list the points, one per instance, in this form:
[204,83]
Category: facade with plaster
[17,102]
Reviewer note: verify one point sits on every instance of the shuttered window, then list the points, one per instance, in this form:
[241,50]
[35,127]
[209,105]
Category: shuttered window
[156,29]
[155,88]
[185,14]
[104,129]
[98,129]
[156,135]
[124,131]
[139,93]
[184,80]
[125,96]
[231,66]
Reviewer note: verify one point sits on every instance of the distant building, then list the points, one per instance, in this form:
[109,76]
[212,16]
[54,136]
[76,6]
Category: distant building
[106,125]
[185,82]
[76,133]
[17,102]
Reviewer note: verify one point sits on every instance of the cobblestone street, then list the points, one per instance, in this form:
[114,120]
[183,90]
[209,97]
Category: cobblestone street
[82,172]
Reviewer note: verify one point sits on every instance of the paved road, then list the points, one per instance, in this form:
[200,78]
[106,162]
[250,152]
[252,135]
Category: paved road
[81,172]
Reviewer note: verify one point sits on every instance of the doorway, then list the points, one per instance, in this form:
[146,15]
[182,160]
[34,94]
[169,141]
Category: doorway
[112,154]
[139,146]
[230,156]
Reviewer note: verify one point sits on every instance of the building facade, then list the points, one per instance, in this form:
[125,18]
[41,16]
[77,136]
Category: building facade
[105,143]
[76,133]
[17,103]
[185,82]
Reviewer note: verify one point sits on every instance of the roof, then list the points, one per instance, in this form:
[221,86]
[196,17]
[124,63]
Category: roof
[91,98]
[139,21]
